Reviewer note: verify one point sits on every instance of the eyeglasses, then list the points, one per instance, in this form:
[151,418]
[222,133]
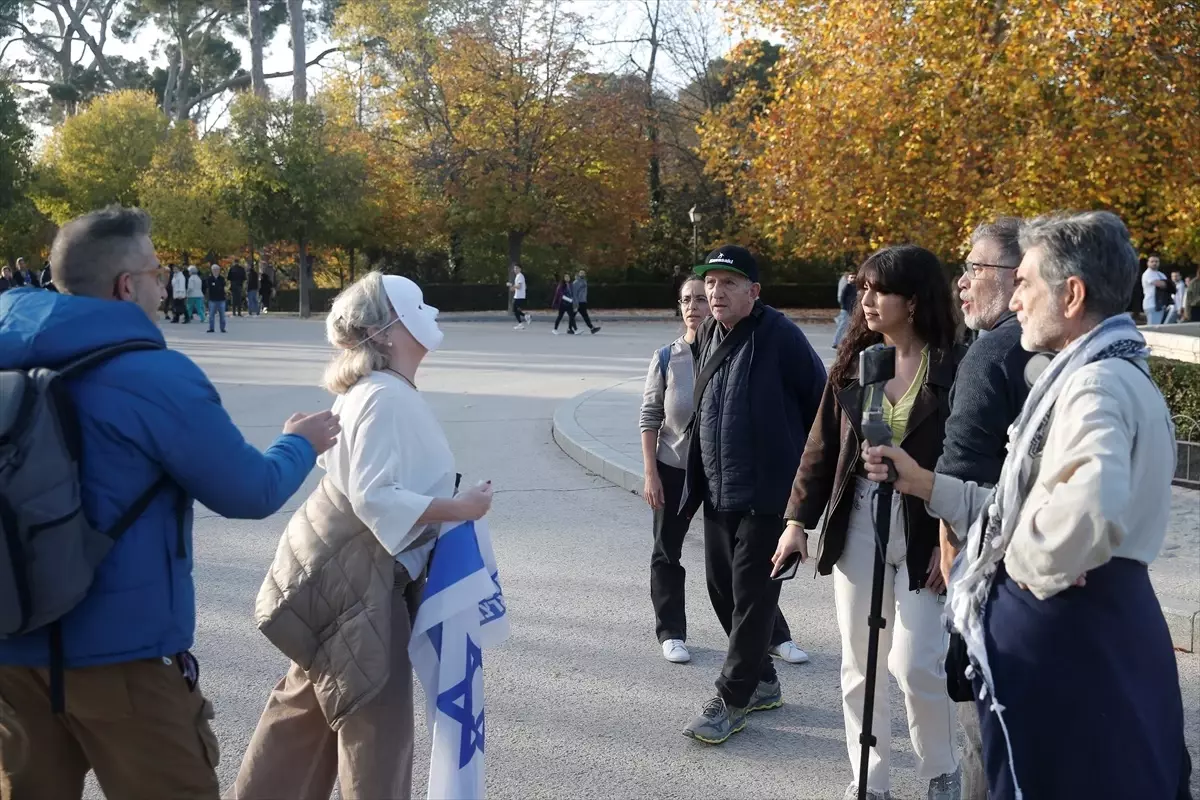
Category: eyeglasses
[694,301]
[971,268]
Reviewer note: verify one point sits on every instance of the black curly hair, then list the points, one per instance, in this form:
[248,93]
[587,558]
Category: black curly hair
[915,274]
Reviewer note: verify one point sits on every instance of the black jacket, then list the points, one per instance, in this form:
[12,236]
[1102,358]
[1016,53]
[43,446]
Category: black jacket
[752,421]
[237,275]
[216,289]
[988,394]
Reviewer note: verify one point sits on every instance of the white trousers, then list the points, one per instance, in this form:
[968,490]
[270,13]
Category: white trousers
[914,644]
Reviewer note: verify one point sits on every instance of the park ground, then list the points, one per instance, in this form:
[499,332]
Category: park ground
[580,702]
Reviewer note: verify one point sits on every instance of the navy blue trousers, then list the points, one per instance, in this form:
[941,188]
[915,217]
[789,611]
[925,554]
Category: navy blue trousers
[1090,691]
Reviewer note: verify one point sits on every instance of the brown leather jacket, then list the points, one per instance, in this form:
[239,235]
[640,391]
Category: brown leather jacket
[831,456]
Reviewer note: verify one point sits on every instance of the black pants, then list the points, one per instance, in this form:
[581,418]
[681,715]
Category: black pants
[238,297]
[565,308]
[179,307]
[517,312]
[667,573]
[737,553]
[583,313]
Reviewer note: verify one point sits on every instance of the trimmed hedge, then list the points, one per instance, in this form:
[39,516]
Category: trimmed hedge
[1179,383]
[494,296]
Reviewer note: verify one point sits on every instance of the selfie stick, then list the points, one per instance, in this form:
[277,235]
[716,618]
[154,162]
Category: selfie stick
[876,366]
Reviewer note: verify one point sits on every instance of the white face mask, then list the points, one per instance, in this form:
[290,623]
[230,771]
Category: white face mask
[419,318]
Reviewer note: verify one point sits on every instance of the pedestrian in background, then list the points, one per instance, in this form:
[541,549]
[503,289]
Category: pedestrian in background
[905,303]
[179,295]
[579,290]
[1191,298]
[6,278]
[565,303]
[252,291]
[1073,665]
[518,289]
[195,293]
[847,300]
[216,298]
[757,393]
[237,288]
[266,286]
[1157,294]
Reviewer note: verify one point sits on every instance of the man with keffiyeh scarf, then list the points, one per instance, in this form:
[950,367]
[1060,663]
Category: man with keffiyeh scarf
[1070,654]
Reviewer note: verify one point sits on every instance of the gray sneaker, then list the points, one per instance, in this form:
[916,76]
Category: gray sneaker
[946,787]
[766,696]
[716,723]
[852,794]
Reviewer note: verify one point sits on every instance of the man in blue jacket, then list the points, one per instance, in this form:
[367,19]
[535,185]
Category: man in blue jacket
[133,710]
[757,394]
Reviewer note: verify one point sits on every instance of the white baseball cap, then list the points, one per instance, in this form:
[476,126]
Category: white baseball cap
[419,318]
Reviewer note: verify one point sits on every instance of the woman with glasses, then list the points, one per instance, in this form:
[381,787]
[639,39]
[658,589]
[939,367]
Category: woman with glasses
[666,412]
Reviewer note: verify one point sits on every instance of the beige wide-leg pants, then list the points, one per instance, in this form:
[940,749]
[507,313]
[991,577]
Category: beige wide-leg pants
[294,754]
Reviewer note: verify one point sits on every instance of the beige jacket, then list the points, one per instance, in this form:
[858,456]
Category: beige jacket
[326,602]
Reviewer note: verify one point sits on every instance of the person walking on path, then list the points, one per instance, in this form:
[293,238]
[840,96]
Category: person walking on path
[195,293]
[237,288]
[266,286]
[252,291]
[389,484]
[565,303]
[518,292]
[216,298]
[987,396]
[1072,662]
[905,303]
[666,412]
[757,393]
[579,290]
[132,709]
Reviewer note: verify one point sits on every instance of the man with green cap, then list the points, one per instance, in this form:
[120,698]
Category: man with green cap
[757,393]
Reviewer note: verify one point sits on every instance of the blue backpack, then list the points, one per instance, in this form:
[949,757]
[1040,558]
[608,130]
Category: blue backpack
[664,359]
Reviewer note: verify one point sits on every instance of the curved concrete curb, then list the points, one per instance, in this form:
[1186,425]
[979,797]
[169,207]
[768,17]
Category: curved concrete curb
[591,453]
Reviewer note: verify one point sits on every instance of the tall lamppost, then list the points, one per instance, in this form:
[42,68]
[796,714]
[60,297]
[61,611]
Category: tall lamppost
[695,216]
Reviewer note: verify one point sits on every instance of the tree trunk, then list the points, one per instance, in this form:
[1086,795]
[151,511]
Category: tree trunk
[169,89]
[351,267]
[299,68]
[182,83]
[454,256]
[302,277]
[257,82]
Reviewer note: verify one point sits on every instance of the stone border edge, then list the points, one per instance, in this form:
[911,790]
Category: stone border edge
[590,453]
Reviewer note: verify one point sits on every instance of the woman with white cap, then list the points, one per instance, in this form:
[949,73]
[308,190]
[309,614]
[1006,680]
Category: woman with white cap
[340,597]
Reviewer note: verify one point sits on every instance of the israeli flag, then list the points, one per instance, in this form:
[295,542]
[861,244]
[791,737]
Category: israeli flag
[462,612]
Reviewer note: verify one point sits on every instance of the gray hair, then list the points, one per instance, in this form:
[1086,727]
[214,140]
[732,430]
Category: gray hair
[362,305]
[1004,231]
[1094,247]
[89,252]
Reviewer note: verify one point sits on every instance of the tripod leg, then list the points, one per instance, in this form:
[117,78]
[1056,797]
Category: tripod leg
[876,622]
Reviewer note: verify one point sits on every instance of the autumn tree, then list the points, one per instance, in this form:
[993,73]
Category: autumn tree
[183,192]
[98,156]
[21,226]
[889,121]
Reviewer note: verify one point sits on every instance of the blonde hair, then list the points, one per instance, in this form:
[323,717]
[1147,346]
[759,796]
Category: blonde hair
[362,305]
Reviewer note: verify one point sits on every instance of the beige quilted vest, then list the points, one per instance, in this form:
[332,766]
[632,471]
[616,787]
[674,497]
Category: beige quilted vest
[326,602]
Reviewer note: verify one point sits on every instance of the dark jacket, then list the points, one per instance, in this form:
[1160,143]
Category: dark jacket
[252,281]
[831,457]
[237,275]
[988,394]
[216,289]
[742,454]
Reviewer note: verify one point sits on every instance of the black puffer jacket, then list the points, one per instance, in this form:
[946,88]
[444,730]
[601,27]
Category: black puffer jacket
[752,421]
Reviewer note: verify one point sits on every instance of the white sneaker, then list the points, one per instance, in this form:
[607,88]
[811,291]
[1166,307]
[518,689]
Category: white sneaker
[554,331]
[520,326]
[529,319]
[789,653]
[675,651]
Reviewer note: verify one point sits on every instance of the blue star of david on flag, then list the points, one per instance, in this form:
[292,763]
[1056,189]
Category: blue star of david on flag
[448,704]
[462,613]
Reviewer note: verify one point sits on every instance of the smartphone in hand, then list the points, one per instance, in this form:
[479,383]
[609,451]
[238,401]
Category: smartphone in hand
[788,569]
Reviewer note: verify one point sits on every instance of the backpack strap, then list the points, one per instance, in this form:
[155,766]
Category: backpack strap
[664,360]
[732,341]
[98,356]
